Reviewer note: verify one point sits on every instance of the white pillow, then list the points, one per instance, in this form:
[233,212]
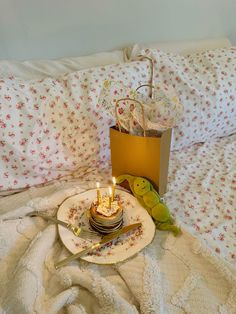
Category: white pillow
[52,127]
[179,47]
[39,69]
[205,83]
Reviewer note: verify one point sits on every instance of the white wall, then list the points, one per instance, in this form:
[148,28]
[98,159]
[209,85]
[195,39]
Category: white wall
[32,29]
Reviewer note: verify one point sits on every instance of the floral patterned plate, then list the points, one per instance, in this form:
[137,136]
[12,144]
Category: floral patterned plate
[74,210]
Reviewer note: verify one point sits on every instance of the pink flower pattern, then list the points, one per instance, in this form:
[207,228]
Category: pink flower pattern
[205,83]
[201,192]
[52,127]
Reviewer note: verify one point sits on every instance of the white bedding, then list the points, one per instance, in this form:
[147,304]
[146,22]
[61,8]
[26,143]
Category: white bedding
[202,193]
[180,47]
[173,275]
[40,69]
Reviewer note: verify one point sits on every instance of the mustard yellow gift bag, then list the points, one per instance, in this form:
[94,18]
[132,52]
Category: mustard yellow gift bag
[145,155]
[140,142]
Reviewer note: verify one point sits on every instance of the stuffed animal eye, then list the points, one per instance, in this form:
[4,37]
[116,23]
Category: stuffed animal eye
[137,184]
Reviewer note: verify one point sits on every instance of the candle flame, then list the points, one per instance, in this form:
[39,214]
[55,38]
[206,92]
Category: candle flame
[97,185]
[110,191]
[114,180]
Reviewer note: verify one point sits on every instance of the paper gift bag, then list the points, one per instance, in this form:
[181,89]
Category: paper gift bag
[145,156]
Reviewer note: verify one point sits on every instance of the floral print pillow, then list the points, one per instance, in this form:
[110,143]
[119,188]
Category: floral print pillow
[52,127]
[205,83]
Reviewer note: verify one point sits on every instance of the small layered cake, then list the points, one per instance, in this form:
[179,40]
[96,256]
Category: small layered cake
[106,217]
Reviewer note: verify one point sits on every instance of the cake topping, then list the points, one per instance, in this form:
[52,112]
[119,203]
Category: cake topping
[104,209]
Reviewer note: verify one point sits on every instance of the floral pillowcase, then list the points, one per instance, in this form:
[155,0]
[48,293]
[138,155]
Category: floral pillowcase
[52,127]
[205,83]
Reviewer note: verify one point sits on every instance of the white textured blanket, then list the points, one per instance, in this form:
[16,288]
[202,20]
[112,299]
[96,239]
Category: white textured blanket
[172,275]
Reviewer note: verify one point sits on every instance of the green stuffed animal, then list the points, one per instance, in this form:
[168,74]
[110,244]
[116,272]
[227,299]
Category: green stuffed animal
[143,190]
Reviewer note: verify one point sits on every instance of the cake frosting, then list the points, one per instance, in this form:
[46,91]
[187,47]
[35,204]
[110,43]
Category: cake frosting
[103,207]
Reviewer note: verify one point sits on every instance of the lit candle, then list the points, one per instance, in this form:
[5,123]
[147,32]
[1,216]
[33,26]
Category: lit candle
[113,188]
[110,196]
[98,193]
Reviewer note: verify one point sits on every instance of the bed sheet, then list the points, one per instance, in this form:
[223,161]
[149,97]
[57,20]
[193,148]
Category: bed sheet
[202,193]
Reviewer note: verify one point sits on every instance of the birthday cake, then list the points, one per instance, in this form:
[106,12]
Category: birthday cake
[106,216]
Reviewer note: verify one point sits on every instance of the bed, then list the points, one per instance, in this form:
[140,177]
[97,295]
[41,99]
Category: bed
[188,274]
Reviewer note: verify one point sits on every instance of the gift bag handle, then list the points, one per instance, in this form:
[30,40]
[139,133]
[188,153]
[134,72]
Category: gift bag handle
[140,57]
[142,107]
[143,85]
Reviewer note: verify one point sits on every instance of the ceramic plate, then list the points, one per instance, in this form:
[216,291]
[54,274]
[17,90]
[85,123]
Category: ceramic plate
[74,210]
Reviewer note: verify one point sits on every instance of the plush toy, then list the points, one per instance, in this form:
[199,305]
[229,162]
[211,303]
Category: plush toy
[143,190]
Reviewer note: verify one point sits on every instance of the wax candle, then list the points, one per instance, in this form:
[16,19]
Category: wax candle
[113,187]
[98,193]
[110,196]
